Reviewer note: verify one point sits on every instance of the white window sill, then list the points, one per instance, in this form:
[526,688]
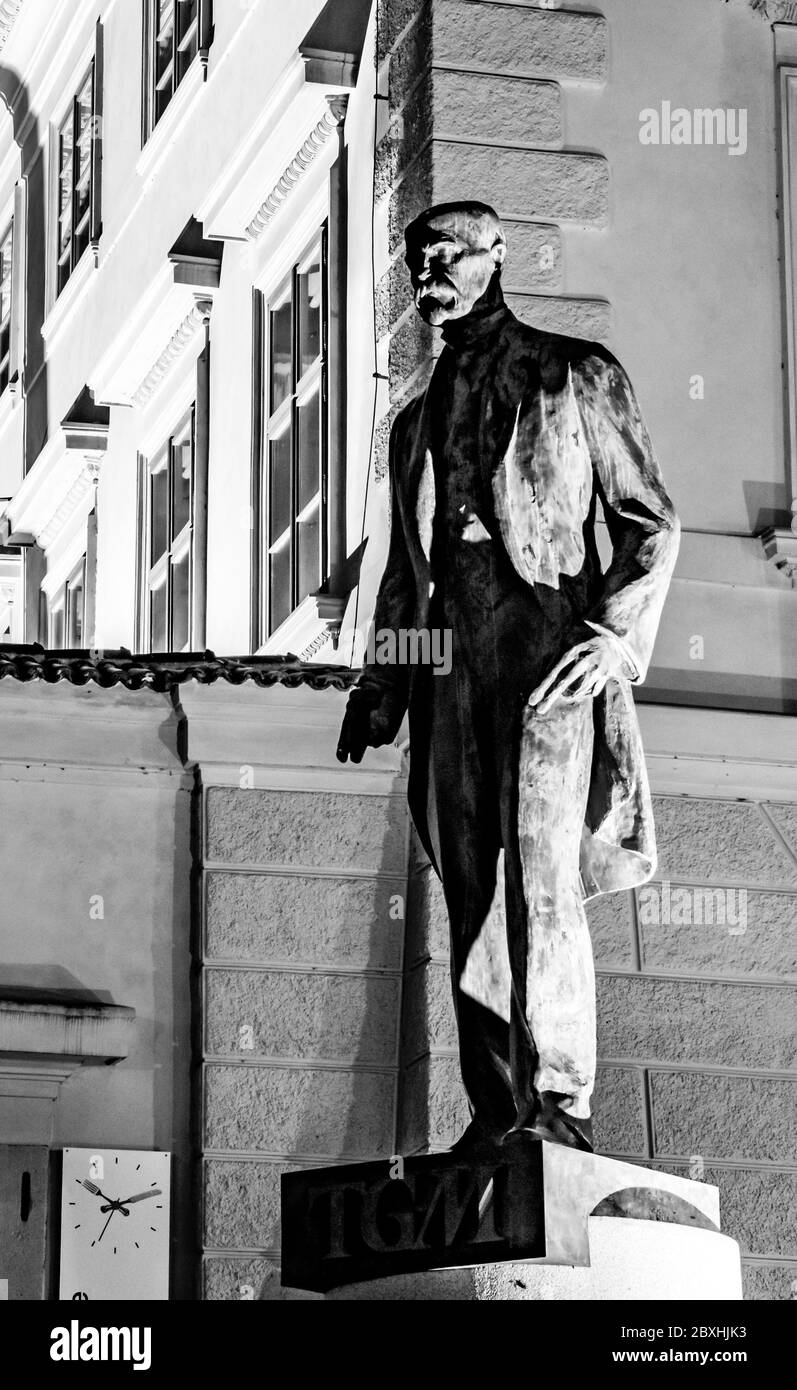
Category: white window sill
[69,298]
[172,123]
[316,617]
[8,400]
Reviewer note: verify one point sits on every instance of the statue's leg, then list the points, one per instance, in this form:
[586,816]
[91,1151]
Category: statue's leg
[469,845]
[553,990]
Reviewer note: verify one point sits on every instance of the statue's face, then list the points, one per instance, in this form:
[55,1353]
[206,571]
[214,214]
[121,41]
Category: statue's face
[451,258]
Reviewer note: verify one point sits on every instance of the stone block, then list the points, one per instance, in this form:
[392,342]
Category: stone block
[525,184]
[517,39]
[785,818]
[294,1015]
[534,258]
[305,1110]
[393,18]
[428,930]
[618,1108]
[429,1022]
[758,937]
[290,918]
[772,1283]
[382,449]
[411,56]
[434,1106]
[242,1204]
[313,829]
[471,106]
[719,842]
[699,1021]
[575,318]
[411,346]
[611,928]
[236,1280]
[748,1118]
[756,1206]
[415,192]
[410,129]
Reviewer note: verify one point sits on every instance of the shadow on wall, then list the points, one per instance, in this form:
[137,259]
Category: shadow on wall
[14,95]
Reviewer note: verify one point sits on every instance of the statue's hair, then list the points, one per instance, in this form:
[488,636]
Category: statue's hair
[477,212]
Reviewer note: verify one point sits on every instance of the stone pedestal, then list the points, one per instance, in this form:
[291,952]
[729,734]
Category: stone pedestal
[551,1223]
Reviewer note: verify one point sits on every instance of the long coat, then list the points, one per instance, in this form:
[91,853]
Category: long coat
[560,423]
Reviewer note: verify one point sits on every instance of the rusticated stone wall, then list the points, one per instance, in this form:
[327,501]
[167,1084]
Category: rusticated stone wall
[302,870]
[477,96]
[697,1021]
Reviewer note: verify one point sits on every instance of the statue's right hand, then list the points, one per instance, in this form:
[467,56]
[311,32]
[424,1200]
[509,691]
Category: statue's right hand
[354,732]
[365,725]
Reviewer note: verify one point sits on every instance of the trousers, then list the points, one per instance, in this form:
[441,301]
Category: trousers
[509,783]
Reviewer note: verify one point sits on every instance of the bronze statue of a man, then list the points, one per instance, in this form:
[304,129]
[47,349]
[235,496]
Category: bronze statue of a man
[529,744]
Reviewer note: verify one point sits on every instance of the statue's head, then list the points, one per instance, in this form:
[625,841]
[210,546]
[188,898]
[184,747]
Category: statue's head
[453,251]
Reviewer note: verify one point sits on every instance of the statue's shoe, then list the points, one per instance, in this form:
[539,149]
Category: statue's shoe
[554,1126]
[478,1141]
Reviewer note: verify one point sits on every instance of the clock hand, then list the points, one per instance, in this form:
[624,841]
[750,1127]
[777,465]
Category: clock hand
[105,1227]
[93,1189]
[142,1196]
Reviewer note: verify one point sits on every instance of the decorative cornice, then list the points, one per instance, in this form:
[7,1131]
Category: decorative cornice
[333,117]
[164,673]
[84,482]
[9,10]
[176,346]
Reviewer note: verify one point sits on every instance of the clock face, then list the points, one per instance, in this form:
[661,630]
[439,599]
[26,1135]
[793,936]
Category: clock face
[115,1224]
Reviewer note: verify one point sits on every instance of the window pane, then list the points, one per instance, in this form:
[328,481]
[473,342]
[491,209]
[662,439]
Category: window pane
[74,614]
[279,452]
[309,556]
[5,308]
[309,450]
[279,575]
[57,628]
[159,518]
[158,620]
[180,603]
[5,277]
[309,314]
[182,451]
[187,35]
[280,370]
[65,189]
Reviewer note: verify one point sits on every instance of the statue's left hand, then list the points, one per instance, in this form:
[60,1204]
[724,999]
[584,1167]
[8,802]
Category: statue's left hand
[580,674]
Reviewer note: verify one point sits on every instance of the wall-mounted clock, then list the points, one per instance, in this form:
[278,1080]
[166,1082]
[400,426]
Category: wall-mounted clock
[115,1224]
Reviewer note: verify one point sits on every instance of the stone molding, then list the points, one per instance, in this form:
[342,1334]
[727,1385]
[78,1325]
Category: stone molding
[198,315]
[9,11]
[304,157]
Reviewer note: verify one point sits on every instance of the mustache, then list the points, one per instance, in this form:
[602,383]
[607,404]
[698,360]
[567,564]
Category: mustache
[442,290]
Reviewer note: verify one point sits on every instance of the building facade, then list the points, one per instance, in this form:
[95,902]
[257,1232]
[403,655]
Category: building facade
[205,332]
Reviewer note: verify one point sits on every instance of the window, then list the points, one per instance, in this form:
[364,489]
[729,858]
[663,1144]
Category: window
[175,32]
[167,541]
[6,243]
[65,612]
[75,180]
[291,484]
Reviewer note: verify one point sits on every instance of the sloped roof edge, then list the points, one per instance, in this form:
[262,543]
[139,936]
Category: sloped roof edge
[163,672]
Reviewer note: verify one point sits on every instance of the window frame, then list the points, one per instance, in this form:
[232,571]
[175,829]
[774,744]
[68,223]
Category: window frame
[275,424]
[6,320]
[200,28]
[87,222]
[59,603]
[157,575]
